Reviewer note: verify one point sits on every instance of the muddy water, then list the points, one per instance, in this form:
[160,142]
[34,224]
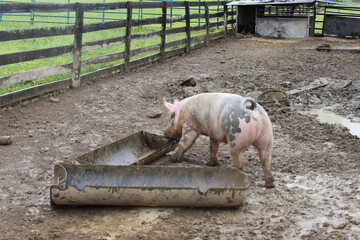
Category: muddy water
[332,118]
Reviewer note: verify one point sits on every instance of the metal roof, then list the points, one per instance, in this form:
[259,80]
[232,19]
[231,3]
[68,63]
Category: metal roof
[286,2]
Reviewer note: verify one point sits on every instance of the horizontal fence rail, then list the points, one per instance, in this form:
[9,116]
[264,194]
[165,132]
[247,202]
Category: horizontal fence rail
[130,57]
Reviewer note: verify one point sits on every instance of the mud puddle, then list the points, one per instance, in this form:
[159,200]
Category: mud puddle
[325,116]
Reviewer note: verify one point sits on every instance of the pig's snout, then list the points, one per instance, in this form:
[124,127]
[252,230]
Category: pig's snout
[170,134]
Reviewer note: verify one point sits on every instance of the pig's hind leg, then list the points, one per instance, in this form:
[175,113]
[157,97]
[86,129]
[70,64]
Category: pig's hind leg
[214,148]
[265,158]
[187,140]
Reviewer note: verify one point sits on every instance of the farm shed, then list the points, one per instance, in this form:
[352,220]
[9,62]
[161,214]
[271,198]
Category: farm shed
[297,18]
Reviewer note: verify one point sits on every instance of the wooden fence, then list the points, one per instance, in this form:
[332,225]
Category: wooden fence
[162,50]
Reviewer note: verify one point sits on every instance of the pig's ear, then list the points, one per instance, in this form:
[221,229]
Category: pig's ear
[173,108]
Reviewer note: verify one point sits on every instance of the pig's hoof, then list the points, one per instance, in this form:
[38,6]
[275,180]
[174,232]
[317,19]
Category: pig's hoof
[212,164]
[174,159]
[269,185]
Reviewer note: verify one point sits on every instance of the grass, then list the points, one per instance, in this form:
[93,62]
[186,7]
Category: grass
[48,19]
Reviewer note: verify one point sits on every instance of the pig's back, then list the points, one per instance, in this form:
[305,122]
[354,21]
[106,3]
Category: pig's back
[207,112]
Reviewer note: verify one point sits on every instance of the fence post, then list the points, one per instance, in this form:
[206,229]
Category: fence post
[232,17]
[163,29]
[79,23]
[207,24]
[171,14]
[1,13]
[199,20]
[128,36]
[32,15]
[68,14]
[187,19]
[103,13]
[225,18]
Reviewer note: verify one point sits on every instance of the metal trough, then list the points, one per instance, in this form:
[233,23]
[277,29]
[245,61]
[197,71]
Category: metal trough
[140,148]
[147,186]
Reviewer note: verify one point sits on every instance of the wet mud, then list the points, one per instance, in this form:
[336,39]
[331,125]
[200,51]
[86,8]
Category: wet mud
[316,165]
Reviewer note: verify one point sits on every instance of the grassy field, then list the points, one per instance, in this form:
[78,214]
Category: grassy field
[22,21]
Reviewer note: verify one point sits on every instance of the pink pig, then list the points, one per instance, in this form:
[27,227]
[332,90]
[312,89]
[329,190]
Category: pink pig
[227,118]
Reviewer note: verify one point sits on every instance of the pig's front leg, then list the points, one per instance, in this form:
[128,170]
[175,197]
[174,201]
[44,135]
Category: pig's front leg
[187,140]
[214,148]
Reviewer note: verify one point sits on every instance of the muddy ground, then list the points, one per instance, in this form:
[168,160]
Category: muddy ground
[316,165]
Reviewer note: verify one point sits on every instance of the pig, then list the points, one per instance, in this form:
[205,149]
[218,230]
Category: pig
[225,118]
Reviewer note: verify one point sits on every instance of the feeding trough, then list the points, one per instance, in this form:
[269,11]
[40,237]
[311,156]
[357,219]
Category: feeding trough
[115,175]
[147,186]
[140,148]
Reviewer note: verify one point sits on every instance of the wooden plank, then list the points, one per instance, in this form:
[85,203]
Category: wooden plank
[163,29]
[79,22]
[183,17]
[103,59]
[188,33]
[196,16]
[175,43]
[128,36]
[145,60]
[216,15]
[36,7]
[138,51]
[146,21]
[207,23]
[216,24]
[34,54]
[198,38]
[146,4]
[93,27]
[34,74]
[198,45]
[225,19]
[176,19]
[216,35]
[35,33]
[176,4]
[197,28]
[175,52]
[175,30]
[31,92]
[103,6]
[143,36]
[104,72]
[103,43]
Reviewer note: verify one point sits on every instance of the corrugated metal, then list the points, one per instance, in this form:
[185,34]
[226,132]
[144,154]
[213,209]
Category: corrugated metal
[340,3]
[341,26]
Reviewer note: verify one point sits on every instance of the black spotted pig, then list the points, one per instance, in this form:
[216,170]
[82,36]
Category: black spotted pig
[227,118]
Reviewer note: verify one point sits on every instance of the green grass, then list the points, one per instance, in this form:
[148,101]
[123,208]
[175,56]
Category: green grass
[90,17]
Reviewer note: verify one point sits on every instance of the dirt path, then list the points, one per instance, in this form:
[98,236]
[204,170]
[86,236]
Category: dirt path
[316,165]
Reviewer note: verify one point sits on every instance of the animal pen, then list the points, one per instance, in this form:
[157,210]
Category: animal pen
[215,26]
[197,24]
[298,18]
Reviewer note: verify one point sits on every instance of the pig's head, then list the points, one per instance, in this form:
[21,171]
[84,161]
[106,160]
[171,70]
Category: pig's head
[173,129]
